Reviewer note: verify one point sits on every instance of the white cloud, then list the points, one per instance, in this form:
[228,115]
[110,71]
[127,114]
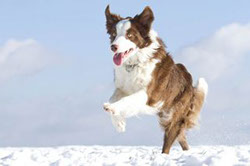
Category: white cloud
[223,59]
[22,58]
[220,54]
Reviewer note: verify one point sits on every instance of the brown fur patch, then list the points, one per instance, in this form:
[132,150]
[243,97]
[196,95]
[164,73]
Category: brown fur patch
[111,21]
[145,20]
[140,27]
[172,85]
[136,36]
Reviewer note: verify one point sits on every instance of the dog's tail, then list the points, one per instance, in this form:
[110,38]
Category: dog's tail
[200,92]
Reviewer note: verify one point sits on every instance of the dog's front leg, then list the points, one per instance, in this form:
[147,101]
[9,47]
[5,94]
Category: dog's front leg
[130,105]
[118,121]
[117,95]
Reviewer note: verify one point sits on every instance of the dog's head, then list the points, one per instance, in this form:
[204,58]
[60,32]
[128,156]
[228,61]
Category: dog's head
[128,35]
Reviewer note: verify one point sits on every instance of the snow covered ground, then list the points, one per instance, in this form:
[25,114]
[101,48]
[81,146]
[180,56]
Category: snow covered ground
[123,155]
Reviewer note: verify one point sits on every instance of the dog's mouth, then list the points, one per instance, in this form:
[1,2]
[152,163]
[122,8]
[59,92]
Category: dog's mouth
[118,57]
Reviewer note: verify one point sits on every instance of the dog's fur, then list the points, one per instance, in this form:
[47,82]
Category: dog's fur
[148,81]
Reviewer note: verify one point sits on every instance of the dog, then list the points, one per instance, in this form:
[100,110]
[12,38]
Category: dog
[148,81]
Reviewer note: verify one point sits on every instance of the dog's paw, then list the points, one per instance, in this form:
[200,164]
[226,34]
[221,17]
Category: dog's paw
[119,123]
[121,126]
[110,108]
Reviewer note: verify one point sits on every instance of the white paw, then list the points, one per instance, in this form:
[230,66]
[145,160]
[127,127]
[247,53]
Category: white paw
[119,123]
[106,107]
[110,108]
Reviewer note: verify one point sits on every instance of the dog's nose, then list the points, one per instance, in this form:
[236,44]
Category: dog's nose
[114,47]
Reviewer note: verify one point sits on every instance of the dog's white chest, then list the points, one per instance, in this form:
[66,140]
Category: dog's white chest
[131,79]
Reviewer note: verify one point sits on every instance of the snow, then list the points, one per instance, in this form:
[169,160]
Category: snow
[125,156]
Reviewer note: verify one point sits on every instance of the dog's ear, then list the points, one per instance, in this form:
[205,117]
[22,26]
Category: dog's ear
[145,19]
[111,19]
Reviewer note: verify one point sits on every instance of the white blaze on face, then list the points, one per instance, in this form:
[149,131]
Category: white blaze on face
[125,46]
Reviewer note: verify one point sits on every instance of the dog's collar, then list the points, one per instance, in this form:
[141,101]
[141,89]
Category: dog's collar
[130,67]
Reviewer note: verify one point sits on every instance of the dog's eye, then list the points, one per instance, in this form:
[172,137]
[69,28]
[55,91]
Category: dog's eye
[113,34]
[129,35]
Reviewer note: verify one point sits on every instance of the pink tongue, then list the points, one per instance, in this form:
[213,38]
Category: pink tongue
[118,58]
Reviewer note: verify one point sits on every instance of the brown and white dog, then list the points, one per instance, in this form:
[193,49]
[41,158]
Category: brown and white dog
[147,80]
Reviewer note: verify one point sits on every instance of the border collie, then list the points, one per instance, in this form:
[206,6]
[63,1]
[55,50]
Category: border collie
[147,80]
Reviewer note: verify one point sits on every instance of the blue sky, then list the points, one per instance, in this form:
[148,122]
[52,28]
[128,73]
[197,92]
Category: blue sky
[56,70]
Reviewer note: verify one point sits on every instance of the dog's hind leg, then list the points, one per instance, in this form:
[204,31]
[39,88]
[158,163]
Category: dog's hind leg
[183,141]
[170,136]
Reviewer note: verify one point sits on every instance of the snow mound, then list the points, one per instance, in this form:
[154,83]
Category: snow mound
[125,156]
